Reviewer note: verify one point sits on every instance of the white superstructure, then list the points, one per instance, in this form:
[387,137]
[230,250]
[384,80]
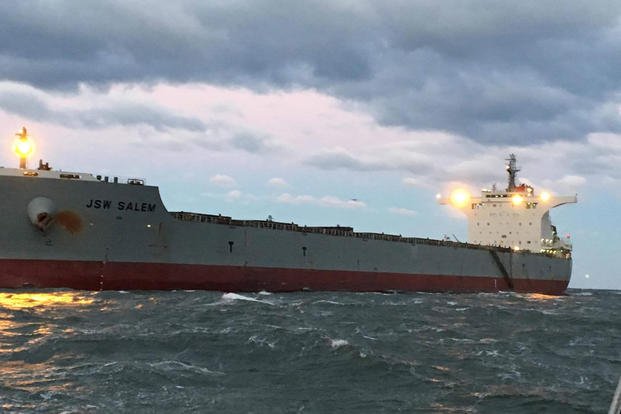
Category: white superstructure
[517,217]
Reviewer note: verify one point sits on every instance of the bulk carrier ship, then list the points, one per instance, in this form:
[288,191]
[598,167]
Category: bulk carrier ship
[78,230]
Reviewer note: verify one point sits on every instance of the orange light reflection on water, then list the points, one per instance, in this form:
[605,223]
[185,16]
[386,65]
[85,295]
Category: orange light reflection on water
[20,333]
[33,377]
[35,331]
[6,325]
[16,301]
[541,296]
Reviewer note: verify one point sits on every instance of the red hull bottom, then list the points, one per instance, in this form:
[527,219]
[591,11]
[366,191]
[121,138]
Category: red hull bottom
[93,275]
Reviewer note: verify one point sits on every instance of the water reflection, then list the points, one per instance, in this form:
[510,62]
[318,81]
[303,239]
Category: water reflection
[541,296]
[20,327]
[33,377]
[7,326]
[25,300]
[28,322]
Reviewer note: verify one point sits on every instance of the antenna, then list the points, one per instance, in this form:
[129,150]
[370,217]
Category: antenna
[512,169]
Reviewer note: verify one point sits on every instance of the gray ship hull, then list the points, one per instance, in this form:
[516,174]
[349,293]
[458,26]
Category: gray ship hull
[120,236]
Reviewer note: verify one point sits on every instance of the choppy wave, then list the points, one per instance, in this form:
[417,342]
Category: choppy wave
[192,351]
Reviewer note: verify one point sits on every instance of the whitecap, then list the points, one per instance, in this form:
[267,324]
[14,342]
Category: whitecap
[549,312]
[462,340]
[178,365]
[265,293]
[337,343]
[329,302]
[493,353]
[235,296]
[261,341]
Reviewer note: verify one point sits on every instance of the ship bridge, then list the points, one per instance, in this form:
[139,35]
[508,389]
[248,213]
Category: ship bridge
[517,217]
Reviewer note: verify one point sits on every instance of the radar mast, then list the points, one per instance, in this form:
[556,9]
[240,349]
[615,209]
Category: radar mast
[512,169]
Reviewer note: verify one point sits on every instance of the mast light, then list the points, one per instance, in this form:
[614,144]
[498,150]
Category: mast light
[23,147]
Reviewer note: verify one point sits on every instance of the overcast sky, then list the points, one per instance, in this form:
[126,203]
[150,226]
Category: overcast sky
[324,112]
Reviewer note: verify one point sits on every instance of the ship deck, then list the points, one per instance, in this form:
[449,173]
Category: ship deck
[342,231]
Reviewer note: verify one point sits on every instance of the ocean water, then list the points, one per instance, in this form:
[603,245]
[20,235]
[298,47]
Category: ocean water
[73,351]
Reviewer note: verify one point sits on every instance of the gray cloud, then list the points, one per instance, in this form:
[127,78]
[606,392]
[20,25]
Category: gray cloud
[388,157]
[130,114]
[562,166]
[517,73]
[26,105]
[339,158]
[222,136]
[29,104]
[252,143]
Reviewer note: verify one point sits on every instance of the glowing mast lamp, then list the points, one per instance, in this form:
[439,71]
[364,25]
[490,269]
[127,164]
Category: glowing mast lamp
[23,147]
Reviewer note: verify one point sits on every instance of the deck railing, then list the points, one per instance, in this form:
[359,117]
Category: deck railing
[328,230]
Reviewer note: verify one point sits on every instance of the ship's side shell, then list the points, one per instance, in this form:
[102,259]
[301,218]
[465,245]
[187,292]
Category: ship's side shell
[120,236]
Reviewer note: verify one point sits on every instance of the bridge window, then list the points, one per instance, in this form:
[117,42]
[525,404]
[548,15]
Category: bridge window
[70,176]
[135,181]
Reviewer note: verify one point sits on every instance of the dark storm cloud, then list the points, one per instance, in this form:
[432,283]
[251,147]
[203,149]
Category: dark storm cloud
[520,72]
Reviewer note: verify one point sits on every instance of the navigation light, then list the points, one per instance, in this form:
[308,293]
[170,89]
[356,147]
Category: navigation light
[23,147]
